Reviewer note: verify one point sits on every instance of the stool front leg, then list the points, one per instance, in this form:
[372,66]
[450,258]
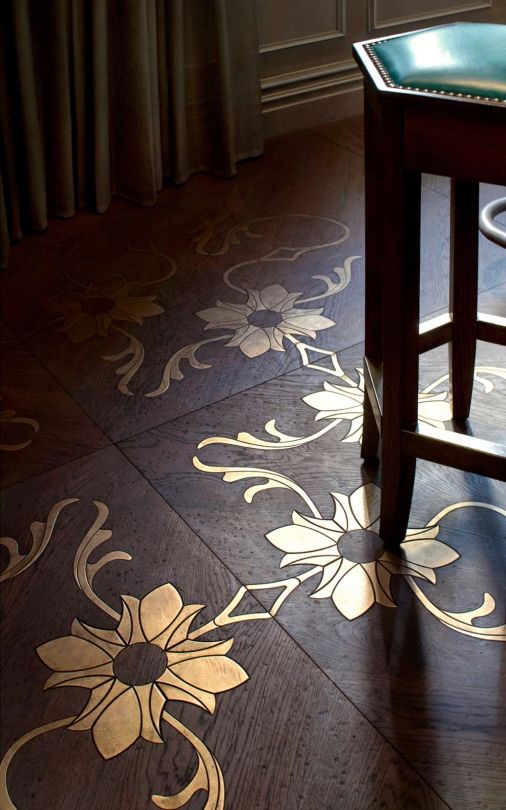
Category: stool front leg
[400,317]
[373,273]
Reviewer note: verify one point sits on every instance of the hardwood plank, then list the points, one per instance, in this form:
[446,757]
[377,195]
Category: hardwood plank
[393,708]
[295,211]
[267,733]
[401,666]
[41,426]
[348,133]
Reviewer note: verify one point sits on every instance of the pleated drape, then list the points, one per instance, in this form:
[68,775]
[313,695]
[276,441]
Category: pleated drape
[103,97]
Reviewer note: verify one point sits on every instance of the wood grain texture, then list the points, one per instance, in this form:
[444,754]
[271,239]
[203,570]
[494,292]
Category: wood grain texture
[52,429]
[401,667]
[269,747]
[295,199]
[391,709]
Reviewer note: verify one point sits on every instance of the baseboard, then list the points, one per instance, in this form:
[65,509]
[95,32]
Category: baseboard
[306,98]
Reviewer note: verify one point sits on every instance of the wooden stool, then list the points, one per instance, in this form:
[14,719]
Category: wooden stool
[435,102]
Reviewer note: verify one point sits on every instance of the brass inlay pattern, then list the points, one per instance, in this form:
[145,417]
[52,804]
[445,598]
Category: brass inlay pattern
[356,586]
[134,671]
[125,704]
[8,416]
[41,535]
[356,570]
[338,403]
[346,549]
[95,308]
[154,655]
[268,318]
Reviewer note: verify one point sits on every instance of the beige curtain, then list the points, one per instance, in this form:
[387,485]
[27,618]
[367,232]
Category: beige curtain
[103,97]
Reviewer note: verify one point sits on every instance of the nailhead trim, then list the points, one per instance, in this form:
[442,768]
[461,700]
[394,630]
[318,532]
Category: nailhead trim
[380,67]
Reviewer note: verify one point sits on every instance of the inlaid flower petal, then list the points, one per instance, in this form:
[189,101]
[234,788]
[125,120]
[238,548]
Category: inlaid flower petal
[212,673]
[98,701]
[130,628]
[429,553]
[158,610]
[88,678]
[68,654]
[176,688]
[255,343]
[196,649]
[273,297]
[107,640]
[354,593]
[197,697]
[365,505]
[297,539]
[151,701]
[226,317]
[119,725]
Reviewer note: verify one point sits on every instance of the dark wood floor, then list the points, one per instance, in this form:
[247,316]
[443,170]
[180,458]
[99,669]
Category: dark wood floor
[181,417]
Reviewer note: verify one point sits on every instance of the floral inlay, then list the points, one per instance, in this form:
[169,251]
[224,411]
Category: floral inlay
[134,670]
[98,308]
[265,319]
[346,403]
[84,314]
[270,317]
[357,570]
[153,657]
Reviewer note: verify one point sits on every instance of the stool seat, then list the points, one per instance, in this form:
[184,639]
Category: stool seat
[458,59]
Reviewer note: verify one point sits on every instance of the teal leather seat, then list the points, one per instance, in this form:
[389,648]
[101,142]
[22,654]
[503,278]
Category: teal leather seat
[461,58]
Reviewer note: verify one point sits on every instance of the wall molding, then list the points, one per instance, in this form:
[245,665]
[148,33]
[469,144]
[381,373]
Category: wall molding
[300,86]
[376,24]
[306,98]
[311,39]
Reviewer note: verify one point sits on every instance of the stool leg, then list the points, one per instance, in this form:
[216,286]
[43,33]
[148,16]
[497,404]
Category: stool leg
[373,270]
[370,435]
[400,305]
[463,293]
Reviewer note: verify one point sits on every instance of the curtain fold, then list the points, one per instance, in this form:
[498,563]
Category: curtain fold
[114,96]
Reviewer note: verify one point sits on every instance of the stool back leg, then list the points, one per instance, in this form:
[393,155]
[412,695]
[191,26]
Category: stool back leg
[463,293]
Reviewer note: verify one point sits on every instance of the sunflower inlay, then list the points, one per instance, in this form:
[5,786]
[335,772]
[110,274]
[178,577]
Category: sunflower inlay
[356,569]
[134,670]
[267,317]
[85,314]
[153,657]
[105,307]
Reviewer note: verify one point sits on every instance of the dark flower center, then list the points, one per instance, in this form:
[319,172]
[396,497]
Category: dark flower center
[140,663]
[360,546]
[98,305]
[265,318]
